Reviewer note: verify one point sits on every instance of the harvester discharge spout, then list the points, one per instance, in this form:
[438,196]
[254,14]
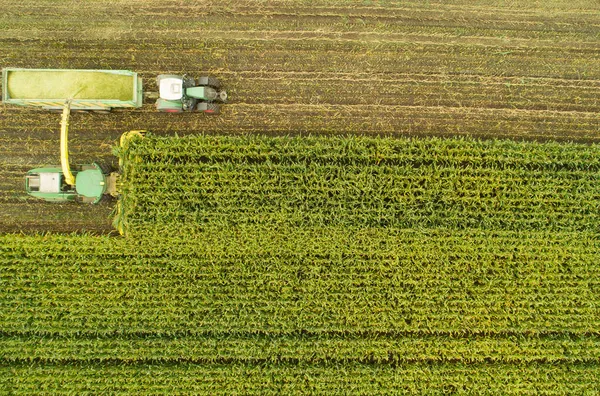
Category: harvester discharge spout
[64,144]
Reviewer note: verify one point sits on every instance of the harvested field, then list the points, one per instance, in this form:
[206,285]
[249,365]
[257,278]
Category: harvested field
[330,254]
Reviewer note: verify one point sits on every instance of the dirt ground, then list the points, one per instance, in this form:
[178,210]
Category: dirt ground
[461,68]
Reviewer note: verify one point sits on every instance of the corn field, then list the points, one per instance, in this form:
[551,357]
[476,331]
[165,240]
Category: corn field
[399,197]
[317,264]
[358,182]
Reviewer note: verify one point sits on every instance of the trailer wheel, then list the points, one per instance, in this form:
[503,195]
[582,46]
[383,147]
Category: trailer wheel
[210,82]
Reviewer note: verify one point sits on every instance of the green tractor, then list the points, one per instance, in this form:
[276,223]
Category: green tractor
[85,183]
[182,93]
[91,183]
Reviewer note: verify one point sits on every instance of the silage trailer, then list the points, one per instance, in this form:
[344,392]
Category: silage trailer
[91,90]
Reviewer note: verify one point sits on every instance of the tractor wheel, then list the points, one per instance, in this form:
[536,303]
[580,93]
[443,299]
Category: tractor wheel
[106,169]
[210,82]
[188,82]
[106,199]
[212,108]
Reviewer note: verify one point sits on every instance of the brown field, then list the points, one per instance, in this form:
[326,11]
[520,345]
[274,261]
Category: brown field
[530,71]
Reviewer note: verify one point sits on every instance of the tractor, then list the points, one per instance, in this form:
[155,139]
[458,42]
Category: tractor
[178,94]
[85,183]
[88,183]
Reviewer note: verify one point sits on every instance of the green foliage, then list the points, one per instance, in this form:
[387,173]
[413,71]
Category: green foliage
[299,379]
[360,182]
[319,265]
[249,307]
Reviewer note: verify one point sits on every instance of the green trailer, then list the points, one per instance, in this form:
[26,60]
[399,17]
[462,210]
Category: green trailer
[100,90]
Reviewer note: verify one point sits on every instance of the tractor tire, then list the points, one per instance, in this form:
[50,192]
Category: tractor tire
[106,200]
[106,169]
[212,108]
[188,82]
[209,82]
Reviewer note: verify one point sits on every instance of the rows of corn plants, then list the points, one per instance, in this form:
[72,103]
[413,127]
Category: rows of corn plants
[359,182]
[416,309]
[291,379]
[278,281]
[256,265]
[265,264]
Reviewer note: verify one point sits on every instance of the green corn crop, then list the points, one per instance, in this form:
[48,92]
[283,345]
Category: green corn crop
[360,182]
[319,265]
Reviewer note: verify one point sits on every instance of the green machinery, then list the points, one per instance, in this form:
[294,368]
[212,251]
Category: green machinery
[182,93]
[86,183]
[99,91]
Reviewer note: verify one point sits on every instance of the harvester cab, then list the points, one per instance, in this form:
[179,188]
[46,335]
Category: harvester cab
[182,93]
[91,183]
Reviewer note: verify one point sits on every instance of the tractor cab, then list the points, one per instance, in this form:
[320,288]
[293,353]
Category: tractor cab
[49,184]
[171,88]
[182,93]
